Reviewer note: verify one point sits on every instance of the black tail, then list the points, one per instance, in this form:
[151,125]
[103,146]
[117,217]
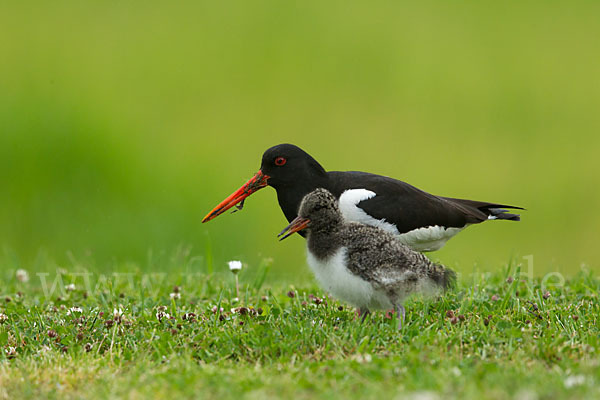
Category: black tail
[500,213]
[492,210]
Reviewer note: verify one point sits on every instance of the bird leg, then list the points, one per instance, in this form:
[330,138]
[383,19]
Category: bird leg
[401,312]
[364,312]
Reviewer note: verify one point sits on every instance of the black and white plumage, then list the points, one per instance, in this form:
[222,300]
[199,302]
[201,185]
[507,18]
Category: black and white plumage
[422,221]
[362,264]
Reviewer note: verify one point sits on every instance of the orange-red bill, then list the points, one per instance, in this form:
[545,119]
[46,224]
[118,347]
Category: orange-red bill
[296,225]
[258,181]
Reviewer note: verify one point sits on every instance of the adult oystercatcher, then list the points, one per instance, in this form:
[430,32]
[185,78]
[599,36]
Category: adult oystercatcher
[422,221]
[362,264]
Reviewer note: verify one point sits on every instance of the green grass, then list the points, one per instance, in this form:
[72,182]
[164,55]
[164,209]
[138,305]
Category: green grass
[122,124]
[492,336]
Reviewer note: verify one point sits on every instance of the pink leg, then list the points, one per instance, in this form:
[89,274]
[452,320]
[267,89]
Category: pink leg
[364,312]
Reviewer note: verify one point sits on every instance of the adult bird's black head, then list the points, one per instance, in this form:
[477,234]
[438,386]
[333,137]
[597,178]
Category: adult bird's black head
[285,167]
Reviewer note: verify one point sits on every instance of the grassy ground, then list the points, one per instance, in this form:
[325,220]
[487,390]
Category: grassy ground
[187,335]
[123,123]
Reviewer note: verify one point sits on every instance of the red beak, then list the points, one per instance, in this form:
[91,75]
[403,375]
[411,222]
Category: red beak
[296,225]
[258,181]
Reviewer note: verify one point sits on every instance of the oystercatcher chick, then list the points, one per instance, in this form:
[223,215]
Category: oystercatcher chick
[362,264]
[422,221]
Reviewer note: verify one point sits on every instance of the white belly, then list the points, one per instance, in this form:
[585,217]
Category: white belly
[334,277]
[431,238]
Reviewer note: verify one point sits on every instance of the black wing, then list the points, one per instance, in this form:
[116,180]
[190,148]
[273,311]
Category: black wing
[408,207]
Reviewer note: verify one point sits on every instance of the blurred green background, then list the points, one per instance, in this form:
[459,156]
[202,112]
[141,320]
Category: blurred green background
[123,123]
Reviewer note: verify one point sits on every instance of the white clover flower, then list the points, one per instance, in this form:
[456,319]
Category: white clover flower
[70,287]
[3,318]
[45,349]
[175,295]
[362,358]
[160,315]
[117,312]
[235,266]
[574,380]
[74,310]
[22,275]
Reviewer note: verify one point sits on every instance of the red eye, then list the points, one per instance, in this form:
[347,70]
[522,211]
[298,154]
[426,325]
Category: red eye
[279,161]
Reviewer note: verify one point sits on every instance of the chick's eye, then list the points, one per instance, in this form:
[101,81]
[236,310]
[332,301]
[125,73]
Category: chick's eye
[279,161]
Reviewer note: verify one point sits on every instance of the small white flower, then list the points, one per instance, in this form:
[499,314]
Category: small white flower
[117,312]
[70,287]
[235,266]
[74,310]
[362,358]
[175,295]
[574,380]
[425,395]
[22,275]
[45,349]
[3,318]
[160,315]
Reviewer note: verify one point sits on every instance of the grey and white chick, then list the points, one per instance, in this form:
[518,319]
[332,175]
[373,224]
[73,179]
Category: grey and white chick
[363,265]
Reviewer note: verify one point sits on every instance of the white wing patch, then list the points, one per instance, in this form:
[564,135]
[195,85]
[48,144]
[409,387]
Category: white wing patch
[348,204]
[429,238]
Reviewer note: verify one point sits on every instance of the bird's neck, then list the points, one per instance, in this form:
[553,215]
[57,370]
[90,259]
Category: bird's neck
[324,243]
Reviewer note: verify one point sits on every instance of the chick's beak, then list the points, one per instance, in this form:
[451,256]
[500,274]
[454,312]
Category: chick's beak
[257,182]
[296,225]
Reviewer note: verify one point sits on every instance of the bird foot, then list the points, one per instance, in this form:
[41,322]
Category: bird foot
[364,312]
[401,314]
